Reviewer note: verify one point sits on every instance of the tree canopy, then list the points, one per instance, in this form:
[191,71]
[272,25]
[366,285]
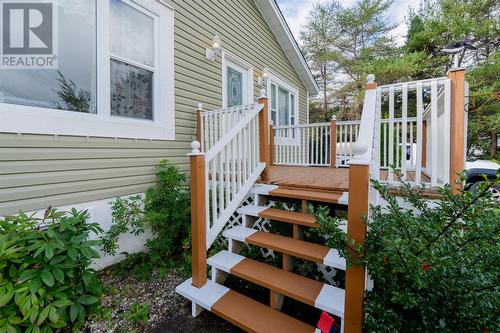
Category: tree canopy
[344,44]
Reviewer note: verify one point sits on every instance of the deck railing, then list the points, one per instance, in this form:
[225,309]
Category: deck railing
[236,143]
[214,124]
[311,144]
[415,133]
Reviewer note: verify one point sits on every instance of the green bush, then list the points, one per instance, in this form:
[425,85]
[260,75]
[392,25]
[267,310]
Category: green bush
[45,280]
[166,211]
[436,267]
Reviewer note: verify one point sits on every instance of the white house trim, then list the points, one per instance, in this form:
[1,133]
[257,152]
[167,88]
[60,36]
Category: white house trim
[38,120]
[273,78]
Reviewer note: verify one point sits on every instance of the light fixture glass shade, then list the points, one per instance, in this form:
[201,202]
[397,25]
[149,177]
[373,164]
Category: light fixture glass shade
[216,43]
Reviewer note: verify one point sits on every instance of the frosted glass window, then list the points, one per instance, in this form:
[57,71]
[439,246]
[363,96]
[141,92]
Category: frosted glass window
[234,87]
[132,61]
[132,33]
[131,91]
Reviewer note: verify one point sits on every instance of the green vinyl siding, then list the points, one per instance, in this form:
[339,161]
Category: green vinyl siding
[41,170]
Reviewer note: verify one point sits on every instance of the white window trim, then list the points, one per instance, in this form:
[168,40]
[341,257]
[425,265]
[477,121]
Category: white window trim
[36,120]
[227,58]
[273,78]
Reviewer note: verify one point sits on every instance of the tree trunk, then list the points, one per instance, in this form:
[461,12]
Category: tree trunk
[494,147]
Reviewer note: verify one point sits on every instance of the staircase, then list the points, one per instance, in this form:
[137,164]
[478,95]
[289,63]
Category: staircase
[234,163]
[243,311]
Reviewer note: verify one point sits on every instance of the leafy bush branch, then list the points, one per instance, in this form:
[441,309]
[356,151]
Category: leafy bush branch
[46,283]
[435,264]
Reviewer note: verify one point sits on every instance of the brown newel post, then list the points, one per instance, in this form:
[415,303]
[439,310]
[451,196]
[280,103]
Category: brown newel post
[457,126]
[333,142]
[359,185]
[198,232]
[199,110]
[264,134]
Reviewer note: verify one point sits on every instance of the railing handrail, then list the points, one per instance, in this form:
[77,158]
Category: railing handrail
[411,84]
[323,124]
[228,109]
[215,149]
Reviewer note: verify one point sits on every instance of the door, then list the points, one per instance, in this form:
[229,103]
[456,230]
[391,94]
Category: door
[236,85]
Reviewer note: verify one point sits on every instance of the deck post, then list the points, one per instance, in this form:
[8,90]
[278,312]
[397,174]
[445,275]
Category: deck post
[198,222]
[333,142]
[199,110]
[264,134]
[271,144]
[457,126]
[358,203]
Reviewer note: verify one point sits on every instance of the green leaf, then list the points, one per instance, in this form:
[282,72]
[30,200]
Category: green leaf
[62,303]
[26,275]
[49,252]
[47,278]
[58,274]
[73,253]
[87,277]
[35,285]
[53,315]
[74,311]
[43,315]
[87,299]
[4,299]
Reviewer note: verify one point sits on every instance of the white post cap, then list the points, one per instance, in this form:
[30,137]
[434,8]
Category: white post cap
[200,106]
[195,147]
[263,93]
[370,78]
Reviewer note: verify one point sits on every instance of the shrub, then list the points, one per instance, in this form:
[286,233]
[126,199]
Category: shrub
[166,212]
[45,280]
[436,267]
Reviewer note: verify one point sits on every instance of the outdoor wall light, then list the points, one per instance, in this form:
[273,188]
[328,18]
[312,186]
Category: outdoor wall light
[216,48]
[262,81]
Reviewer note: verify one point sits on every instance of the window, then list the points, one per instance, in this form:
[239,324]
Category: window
[114,76]
[283,103]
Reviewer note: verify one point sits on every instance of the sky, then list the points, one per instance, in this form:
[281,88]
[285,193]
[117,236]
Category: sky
[296,12]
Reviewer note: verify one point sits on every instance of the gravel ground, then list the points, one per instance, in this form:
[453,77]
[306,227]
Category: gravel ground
[136,306]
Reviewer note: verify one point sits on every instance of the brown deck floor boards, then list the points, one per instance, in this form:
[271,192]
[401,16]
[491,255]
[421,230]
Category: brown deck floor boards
[321,178]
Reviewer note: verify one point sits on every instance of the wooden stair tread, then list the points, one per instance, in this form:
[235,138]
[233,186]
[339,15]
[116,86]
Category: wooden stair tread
[308,291]
[240,310]
[253,316]
[294,247]
[321,196]
[275,214]
[304,219]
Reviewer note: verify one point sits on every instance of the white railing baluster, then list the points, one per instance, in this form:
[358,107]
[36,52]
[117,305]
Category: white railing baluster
[390,176]
[447,130]
[404,135]
[434,133]
[420,112]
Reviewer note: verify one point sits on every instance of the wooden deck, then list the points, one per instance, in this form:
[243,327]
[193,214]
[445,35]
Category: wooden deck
[320,178]
[314,178]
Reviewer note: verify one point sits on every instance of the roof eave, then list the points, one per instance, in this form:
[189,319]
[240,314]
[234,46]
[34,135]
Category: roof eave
[274,18]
